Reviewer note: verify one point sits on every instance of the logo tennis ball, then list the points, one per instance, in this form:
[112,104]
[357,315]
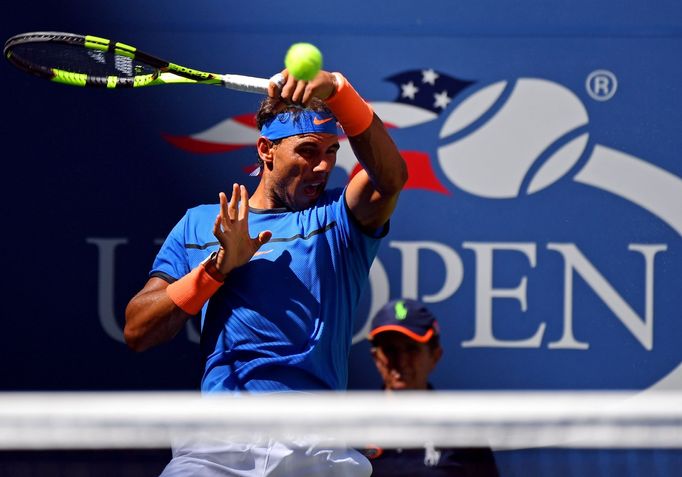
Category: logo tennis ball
[303,60]
[535,124]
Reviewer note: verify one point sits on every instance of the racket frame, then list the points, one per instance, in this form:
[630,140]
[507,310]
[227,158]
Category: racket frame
[164,72]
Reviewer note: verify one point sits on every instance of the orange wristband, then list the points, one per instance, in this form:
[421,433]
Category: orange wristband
[193,290]
[353,112]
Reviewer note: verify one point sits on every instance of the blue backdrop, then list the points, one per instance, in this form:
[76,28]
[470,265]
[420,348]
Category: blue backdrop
[542,222]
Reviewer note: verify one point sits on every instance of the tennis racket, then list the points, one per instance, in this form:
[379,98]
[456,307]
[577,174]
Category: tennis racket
[90,61]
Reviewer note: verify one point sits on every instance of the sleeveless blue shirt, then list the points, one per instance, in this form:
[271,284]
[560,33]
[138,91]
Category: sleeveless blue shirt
[284,320]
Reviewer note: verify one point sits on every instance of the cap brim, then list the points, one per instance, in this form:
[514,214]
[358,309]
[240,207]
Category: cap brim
[401,329]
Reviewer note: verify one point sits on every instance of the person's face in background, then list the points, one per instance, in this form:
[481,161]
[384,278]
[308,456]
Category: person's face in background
[403,363]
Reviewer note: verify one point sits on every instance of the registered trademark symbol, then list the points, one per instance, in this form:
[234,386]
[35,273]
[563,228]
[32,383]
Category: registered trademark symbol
[601,85]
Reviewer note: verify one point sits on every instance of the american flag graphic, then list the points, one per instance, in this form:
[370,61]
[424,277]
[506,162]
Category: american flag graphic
[422,96]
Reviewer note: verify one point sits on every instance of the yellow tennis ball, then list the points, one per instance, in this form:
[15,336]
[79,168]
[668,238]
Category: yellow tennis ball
[303,60]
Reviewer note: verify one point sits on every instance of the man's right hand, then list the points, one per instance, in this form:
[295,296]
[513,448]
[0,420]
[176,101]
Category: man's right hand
[231,228]
[302,92]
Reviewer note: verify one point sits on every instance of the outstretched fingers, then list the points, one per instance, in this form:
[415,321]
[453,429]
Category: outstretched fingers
[223,215]
[217,228]
[231,228]
[234,200]
[263,237]
[244,204]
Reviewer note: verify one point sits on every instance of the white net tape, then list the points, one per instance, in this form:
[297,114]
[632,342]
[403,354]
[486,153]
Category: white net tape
[497,419]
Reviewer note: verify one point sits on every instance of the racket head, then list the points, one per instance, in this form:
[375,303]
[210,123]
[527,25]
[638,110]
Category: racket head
[85,60]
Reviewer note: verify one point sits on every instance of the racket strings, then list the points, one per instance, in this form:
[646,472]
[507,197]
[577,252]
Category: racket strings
[76,59]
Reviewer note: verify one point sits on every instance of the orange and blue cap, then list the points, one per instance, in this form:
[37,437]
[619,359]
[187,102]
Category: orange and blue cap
[405,316]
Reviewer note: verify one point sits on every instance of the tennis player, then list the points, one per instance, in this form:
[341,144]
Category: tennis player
[277,275]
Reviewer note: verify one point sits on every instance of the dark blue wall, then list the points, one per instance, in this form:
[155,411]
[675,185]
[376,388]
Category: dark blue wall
[91,184]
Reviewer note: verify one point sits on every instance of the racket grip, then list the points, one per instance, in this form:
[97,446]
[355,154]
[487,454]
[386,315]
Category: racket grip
[248,84]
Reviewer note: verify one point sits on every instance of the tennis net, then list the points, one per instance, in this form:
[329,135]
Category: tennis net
[503,420]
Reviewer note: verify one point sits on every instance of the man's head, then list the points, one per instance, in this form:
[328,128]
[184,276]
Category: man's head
[405,344]
[296,150]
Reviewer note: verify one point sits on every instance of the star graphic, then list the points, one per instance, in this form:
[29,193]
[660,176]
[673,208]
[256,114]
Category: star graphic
[409,90]
[425,83]
[442,100]
[429,76]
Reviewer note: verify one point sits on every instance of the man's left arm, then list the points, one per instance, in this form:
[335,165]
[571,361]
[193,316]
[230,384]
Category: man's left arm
[373,192]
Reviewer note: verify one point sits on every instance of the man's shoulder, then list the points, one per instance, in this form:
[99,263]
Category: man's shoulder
[327,205]
[330,197]
[203,211]
[203,208]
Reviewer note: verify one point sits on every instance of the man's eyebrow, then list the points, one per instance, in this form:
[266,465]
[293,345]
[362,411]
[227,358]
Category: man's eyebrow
[335,145]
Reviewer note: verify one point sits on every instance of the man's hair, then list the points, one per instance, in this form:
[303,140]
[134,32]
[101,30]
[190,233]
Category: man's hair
[271,107]
[434,342]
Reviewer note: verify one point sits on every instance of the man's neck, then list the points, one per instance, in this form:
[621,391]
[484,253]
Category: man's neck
[264,199]
[259,199]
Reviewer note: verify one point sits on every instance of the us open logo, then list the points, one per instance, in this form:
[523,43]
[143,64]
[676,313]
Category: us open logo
[562,247]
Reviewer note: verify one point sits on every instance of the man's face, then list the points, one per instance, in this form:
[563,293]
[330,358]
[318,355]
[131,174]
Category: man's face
[402,362]
[299,169]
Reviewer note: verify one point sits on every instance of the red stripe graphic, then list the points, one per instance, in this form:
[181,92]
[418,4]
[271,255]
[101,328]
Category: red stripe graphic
[189,144]
[419,171]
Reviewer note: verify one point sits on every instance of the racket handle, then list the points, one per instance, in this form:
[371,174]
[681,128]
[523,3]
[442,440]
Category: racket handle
[249,84]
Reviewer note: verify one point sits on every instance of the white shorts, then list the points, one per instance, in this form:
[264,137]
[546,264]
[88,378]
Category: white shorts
[312,457]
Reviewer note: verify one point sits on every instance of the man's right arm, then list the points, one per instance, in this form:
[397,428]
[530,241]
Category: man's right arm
[160,310]
[152,317]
